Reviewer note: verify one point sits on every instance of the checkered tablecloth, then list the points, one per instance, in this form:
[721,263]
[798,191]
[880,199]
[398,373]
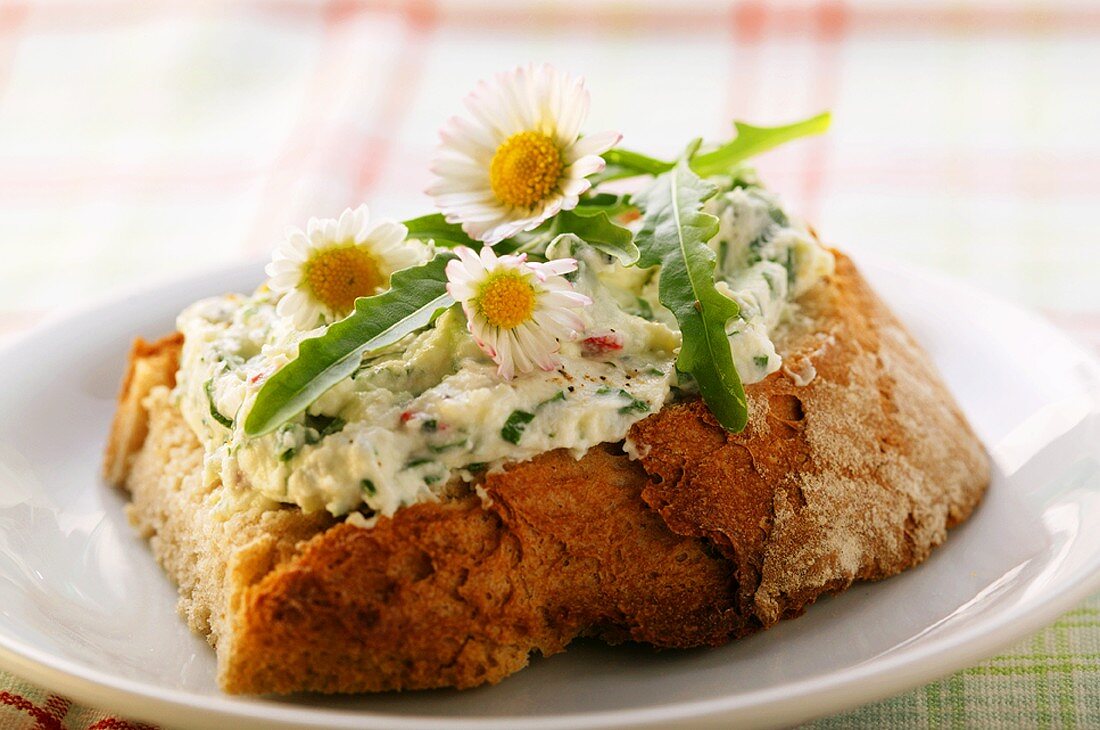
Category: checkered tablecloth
[143,139]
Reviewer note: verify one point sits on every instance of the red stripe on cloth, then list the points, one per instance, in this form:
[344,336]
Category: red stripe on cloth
[114,723]
[303,137]
[57,706]
[13,18]
[829,31]
[44,719]
[748,26]
[420,21]
[788,21]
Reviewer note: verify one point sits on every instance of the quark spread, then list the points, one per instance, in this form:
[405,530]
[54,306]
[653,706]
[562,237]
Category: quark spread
[431,410]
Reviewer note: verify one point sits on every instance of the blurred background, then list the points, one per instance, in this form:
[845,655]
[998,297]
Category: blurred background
[140,140]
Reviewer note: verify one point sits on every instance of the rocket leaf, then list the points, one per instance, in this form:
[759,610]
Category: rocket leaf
[674,235]
[597,230]
[415,297]
[751,141]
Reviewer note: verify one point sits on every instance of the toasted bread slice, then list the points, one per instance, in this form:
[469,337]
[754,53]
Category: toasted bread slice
[855,463]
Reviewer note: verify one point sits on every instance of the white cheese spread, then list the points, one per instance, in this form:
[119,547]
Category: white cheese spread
[431,410]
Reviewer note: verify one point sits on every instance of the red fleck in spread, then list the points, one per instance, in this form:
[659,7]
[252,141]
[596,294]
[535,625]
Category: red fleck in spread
[599,344]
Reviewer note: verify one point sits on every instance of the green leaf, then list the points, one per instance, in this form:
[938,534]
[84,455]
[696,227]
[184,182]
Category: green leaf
[634,405]
[415,297]
[674,235]
[435,227]
[208,388]
[513,427]
[625,163]
[751,141]
[597,230]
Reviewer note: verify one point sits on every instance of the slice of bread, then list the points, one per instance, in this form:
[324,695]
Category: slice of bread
[855,463]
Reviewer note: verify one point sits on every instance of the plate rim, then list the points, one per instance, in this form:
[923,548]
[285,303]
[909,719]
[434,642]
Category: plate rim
[874,679]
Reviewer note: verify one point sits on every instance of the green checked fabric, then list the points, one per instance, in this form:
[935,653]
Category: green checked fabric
[1051,680]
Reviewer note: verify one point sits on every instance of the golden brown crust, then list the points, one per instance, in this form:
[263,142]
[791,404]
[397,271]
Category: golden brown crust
[150,365]
[457,595]
[855,475]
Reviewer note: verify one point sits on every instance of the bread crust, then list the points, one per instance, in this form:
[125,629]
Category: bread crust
[148,365]
[707,536]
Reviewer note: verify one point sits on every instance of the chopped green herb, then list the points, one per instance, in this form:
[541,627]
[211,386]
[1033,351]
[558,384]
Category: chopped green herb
[431,425]
[323,426]
[208,388]
[514,426]
[723,252]
[287,455]
[417,462]
[766,275]
[432,478]
[761,361]
[778,216]
[476,467]
[636,405]
[368,486]
[559,396]
[654,371]
[439,449]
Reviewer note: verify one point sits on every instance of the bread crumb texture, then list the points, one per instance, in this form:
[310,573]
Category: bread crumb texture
[709,536]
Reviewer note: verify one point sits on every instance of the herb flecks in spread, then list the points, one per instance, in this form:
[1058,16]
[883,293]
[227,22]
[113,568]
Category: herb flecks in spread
[384,364]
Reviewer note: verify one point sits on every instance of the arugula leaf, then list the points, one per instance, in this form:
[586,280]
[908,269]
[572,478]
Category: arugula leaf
[674,235]
[607,202]
[436,228]
[625,163]
[597,230]
[751,141]
[415,297]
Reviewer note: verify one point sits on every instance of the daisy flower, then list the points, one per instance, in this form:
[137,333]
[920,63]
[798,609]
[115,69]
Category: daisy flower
[516,310]
[521,158]
[322,271]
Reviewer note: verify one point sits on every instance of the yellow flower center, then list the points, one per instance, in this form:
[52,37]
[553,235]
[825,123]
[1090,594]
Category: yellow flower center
[506,300]
[525,169]
[337,276]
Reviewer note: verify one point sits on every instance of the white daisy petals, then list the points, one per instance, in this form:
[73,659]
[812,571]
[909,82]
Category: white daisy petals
[517,311]
[520,160]
[322,270]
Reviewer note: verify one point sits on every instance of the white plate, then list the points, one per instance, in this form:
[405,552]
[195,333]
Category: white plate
[85,611]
